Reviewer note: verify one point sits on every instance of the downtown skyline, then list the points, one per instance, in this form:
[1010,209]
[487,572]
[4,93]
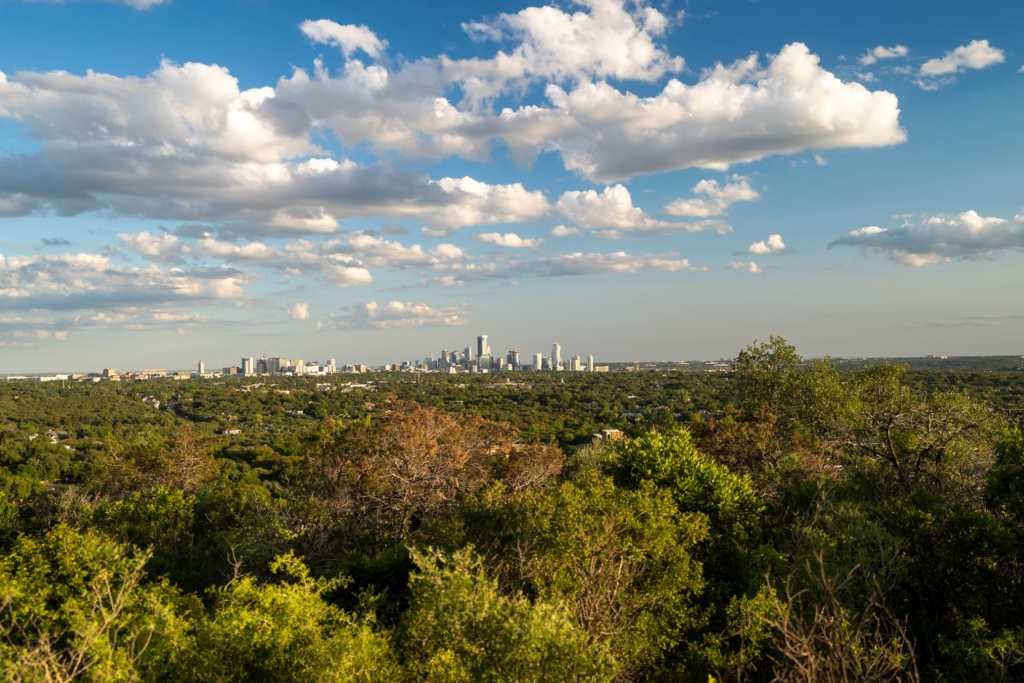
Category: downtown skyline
[663,181]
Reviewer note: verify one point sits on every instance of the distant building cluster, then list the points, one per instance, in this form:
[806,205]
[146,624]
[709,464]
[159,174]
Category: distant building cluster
[478,359]
[481,359]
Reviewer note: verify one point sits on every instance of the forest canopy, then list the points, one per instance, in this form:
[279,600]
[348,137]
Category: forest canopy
[788,520]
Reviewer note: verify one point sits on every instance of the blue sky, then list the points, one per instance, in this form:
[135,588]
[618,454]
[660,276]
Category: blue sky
[374,182]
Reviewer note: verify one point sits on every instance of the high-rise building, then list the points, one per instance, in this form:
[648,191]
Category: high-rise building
[300,365]
[248,366]
[590,363]
[261,366]
[467,356]
[556,356]
[538,359]
[513,359]
[109,372]
[482,347]
[202,367]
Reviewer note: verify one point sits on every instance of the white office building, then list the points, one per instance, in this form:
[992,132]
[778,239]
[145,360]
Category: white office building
[538,361]
[590,363]
[556,356]
[248,366]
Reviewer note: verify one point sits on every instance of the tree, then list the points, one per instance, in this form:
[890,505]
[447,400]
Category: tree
[414,463]
[621,561]
[191,462]
[818,639]
[765,374]
[73,606]
[285,632]
[909,433]
[460,627]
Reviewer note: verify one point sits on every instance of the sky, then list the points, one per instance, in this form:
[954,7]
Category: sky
[376,182]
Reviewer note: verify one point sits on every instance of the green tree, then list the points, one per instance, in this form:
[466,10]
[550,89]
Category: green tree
[285,631]
[73,606]
[460,627]
[620,560]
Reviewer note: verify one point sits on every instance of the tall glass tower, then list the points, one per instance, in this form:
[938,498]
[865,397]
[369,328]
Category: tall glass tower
[556,356]
[482,348]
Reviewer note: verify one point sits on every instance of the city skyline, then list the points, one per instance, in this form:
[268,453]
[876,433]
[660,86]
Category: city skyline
[637,179]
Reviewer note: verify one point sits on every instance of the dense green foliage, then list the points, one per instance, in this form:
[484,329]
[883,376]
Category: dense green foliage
[787,520]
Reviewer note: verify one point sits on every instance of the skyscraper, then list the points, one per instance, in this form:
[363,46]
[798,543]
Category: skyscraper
[538,361]
[202,367]
[248,366]
[590,363]
[482,348]
[556,356]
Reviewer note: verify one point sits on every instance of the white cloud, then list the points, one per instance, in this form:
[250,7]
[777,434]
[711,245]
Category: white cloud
[939,238]
[369,314]
[510,240]
[774,246]
[718,201]
[735,114]
[597,264]
[348,38]
[882,52]
[80,281]
[184,143]
[298,312]
[820,160]
[479,32]
[478,203]
[613,209]
[165,249]
[607,41]
[749,267]
[137,4]
[978,54]
[562,231]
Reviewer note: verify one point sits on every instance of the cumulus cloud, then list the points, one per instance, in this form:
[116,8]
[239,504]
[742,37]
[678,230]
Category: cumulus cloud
[347,38]
[749,267]
[940,238]
[76,281]
[882,52]
[719,198]
[562,231]
[774,246]
[609,40]
[166,249]
[735,114]
[186,143]
[599,264]
[977,54]
[298,312]
[478,203]
[137,4]
[613,210]
[370,315]
[343,261]
[510,240]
